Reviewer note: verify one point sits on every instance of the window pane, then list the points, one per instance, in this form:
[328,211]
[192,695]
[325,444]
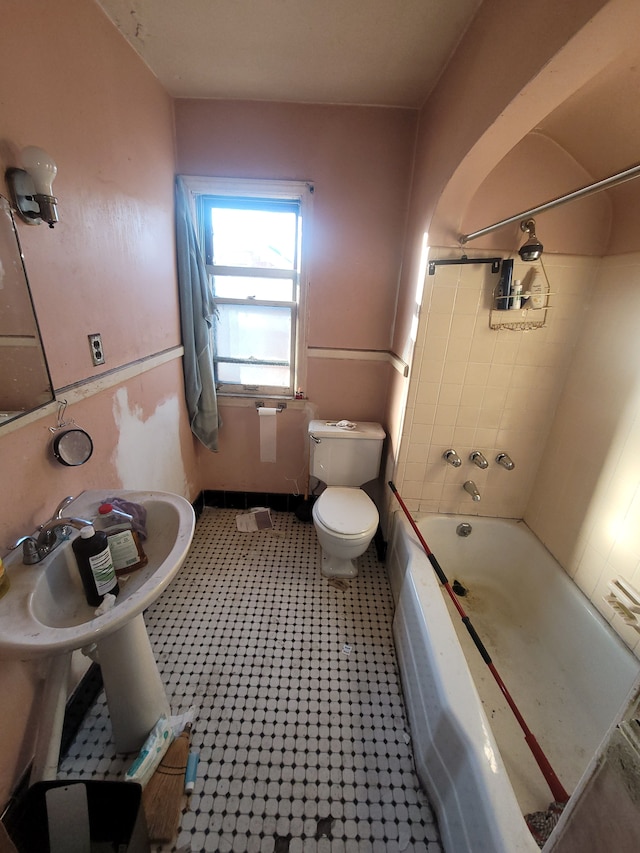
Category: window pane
[258,332]
[254,238]
[248,287]
[254,374]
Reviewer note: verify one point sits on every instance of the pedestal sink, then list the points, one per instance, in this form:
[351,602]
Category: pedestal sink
[45,614]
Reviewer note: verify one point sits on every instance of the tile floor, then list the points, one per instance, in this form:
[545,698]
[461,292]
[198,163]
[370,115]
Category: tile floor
[304,743]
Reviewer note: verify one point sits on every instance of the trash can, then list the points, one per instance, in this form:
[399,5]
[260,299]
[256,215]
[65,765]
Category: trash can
[80,815]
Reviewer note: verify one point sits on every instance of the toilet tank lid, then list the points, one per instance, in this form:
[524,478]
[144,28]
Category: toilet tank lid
[346,510]
[363,429]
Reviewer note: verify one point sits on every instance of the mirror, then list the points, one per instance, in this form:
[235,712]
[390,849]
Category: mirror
[25,383]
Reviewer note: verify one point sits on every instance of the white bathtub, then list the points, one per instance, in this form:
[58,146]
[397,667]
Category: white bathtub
[567,671]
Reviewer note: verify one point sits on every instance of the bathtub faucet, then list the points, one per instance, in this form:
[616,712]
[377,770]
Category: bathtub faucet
[478,459]
[505,460]
[452,458]
[471,487]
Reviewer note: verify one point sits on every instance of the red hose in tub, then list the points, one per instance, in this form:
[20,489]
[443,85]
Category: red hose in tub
[557,790]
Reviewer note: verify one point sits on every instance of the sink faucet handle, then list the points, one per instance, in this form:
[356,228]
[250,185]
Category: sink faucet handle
[19,542]
[63,503]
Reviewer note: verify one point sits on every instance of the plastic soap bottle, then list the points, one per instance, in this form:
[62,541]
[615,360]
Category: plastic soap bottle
[124,543]
[516,301]
[94,561]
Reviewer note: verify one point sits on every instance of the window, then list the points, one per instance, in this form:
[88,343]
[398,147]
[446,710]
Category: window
[252,238]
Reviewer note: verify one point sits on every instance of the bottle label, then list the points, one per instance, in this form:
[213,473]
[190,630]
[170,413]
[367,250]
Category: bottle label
[124,550]
[103,571]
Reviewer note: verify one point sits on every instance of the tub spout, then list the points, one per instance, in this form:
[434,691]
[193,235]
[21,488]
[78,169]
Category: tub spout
[471,487]
[452,458]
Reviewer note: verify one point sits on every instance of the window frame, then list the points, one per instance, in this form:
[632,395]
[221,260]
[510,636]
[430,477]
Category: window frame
[301,194]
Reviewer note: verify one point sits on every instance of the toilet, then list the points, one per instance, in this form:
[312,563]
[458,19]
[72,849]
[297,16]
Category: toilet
[344,516]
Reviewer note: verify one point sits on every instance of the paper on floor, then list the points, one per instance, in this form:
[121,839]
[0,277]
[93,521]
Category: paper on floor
[258,518]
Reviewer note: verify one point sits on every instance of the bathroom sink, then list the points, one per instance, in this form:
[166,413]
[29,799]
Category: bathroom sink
[45,612]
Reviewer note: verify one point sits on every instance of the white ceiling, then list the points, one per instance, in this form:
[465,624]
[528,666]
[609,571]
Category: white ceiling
[370,52]
[373,52]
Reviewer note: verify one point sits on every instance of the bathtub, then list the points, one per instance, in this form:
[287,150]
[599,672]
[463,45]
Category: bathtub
[567,671]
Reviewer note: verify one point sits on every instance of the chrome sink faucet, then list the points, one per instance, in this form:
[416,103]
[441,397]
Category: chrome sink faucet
[471,487]
[49,535]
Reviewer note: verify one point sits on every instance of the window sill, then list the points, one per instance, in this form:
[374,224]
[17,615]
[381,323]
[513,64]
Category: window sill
[232,401]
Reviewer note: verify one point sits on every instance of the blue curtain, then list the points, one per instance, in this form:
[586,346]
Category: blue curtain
[196,314]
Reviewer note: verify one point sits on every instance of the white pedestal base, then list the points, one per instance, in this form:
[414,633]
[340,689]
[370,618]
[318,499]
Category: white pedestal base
[135,693]
[53,703]
[135,696]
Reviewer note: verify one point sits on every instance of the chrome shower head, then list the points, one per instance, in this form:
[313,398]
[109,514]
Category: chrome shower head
[532,248]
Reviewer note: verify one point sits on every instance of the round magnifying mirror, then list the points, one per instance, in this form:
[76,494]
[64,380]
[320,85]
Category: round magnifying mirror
[72,447]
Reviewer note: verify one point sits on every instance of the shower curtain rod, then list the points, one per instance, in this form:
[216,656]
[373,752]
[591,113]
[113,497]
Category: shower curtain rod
[619,178]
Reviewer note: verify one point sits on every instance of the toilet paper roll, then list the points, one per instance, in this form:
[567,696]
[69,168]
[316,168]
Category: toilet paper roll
[267,434]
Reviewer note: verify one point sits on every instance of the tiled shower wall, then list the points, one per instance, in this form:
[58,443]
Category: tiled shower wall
[563,401]
[475,388]
[585,505]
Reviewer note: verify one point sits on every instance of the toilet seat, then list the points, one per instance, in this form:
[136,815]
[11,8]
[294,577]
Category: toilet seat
[346,511]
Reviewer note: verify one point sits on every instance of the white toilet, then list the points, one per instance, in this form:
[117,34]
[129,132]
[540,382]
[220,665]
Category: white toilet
[344,516]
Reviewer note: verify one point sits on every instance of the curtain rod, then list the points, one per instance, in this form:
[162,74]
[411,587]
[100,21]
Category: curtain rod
[619,178]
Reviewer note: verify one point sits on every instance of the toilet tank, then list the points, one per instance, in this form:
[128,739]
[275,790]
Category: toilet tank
[341,457]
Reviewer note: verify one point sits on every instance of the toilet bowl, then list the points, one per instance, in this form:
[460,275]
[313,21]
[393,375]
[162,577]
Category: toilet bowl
[345,519]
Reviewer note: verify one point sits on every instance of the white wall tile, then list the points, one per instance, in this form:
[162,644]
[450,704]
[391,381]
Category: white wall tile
[494,390]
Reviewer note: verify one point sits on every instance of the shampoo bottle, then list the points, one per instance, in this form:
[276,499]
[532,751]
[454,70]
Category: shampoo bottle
[94,561]
[537,298]
[516,301]
[124,543]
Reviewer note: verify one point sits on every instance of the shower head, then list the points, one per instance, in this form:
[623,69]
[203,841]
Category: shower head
[532,248]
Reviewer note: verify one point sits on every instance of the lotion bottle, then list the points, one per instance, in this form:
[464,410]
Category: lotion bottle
[537,298]
[94,561]
[516,301]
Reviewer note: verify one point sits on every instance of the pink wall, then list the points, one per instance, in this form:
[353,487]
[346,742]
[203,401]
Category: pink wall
[107,267]
[359,160]
[501,53]
[475,137]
